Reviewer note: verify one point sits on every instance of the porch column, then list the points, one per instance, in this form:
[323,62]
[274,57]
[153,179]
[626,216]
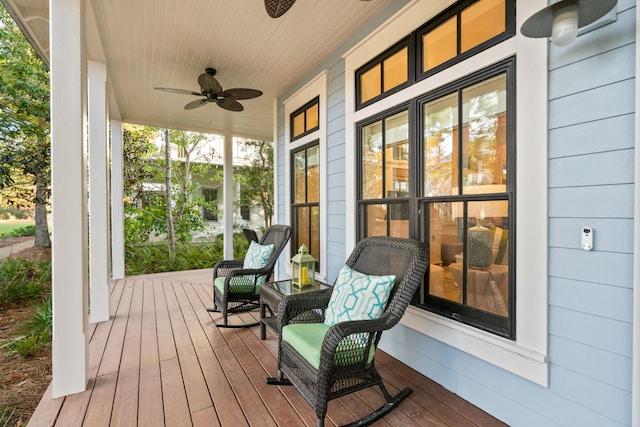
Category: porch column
[117,205]
[227,208]
[70,353]
[99,252]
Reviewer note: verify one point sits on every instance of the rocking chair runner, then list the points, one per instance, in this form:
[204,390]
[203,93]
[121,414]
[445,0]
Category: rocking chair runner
[240,290]
[328,362]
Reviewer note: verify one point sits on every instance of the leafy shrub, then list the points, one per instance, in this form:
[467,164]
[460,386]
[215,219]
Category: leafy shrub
[23,280]
[36,331]
[29,230]
[154,258]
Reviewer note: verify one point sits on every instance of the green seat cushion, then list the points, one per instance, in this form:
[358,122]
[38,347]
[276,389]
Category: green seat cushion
[357,296]
[257,257]
[239,284]
[306,339]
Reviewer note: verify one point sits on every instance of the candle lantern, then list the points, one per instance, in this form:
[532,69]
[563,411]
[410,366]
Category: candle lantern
[304,268]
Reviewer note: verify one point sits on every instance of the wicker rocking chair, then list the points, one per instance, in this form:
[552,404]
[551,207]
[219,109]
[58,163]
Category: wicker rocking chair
[339,360]
[240,290]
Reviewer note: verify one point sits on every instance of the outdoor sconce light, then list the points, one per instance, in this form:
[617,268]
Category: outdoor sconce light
[304,268]
[562,19]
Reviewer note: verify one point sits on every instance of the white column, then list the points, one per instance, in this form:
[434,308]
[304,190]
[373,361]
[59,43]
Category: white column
[227,208]
[69,196]
[117,205]
[99,252]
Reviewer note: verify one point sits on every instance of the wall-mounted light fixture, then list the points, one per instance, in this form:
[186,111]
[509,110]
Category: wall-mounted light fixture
[562,19]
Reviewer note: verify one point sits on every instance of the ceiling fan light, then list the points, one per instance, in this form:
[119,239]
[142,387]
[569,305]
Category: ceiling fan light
[565,25]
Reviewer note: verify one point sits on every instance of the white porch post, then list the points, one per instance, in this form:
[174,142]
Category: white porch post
[117,205]
[227,209]
[69,192]
[99,252]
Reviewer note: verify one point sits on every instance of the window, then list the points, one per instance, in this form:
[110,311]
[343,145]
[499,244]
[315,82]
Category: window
[463,30]
[384,75]
[384,183]
[463,193]
[210,209]
[245,212]
[467,200]
[305,203]
[526,352]
[305,120]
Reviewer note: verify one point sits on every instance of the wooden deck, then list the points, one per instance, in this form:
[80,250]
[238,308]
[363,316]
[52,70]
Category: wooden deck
[161,361]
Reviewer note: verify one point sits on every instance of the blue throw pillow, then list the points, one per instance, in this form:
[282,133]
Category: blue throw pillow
[257,257]
[357,296]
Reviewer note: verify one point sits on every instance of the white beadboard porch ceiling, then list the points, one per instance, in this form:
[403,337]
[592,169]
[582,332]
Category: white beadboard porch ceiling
[168,43]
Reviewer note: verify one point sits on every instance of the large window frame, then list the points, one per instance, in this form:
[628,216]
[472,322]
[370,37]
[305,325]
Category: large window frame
[384,204]
[306,201]
[462,311]
[527,355]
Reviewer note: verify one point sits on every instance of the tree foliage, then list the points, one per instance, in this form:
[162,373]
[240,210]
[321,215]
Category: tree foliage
[256,180]
[24,125]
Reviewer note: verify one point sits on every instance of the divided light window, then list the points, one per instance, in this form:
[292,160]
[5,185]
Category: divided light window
[305,203]
[385,74]
[444,172]
[383,205]
[467,200]
[305,119]
[465,29]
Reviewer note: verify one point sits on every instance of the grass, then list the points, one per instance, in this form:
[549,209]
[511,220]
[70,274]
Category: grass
[16,228]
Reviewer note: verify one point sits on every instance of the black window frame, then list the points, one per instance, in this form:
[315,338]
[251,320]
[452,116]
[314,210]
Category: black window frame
[456,10]
[414,43]
[378,60]
[303,110]
[407,202]
[295,244]
[419,205]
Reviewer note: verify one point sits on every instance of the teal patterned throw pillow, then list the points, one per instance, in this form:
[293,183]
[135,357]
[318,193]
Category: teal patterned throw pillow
[357,296]
[257,257]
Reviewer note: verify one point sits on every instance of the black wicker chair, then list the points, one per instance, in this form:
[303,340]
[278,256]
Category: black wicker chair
[346,360]
[245,282]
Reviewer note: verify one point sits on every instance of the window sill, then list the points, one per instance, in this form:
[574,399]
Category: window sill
[506,354]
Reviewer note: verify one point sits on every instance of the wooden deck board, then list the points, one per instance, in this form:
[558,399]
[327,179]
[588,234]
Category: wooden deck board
[160,360]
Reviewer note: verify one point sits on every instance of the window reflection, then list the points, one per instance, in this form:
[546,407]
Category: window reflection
[484,134]
[441,146]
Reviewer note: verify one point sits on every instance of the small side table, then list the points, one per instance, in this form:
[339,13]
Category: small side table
[272,294]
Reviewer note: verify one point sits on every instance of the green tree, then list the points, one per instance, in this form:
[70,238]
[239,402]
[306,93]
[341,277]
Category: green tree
[256,180]
[24,125]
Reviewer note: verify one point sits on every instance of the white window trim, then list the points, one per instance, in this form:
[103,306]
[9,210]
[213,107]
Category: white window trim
[527,355]
[317,87]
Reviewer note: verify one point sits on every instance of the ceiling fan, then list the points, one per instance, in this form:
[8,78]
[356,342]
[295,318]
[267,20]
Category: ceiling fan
[277,8]
[212,92]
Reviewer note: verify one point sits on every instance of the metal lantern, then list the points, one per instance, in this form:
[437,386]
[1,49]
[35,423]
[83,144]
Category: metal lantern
[304,268]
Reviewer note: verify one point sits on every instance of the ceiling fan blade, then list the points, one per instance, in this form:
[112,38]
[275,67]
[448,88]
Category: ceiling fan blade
[180,91]
[209,83]
[277,8]
[241,93]
[229,104]
[195,104]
